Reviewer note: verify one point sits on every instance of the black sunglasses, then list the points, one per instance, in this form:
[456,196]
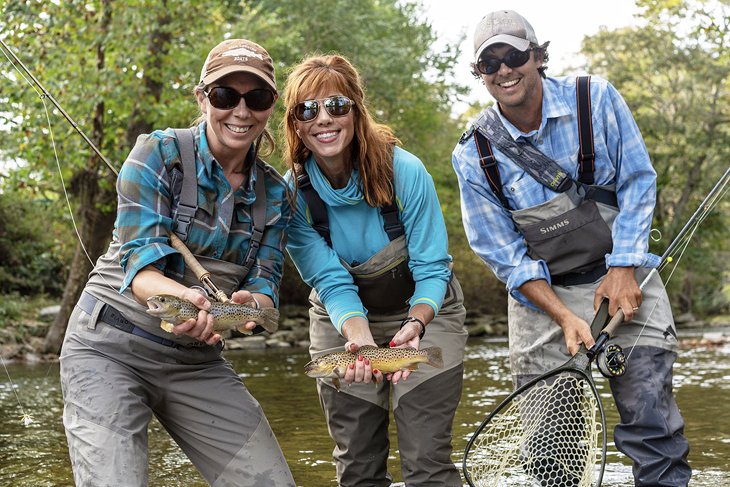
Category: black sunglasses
[337,106]
[224,98]
[513,59]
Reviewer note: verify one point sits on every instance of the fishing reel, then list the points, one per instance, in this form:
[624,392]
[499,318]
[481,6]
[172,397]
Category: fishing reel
[611,361]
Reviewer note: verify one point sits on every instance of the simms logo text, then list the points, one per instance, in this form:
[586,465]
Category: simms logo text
[552,228]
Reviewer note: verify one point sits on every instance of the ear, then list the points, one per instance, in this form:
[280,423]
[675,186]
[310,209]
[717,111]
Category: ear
[202,101]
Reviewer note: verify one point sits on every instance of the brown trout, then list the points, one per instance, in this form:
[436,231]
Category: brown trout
[386,360]
[173,311]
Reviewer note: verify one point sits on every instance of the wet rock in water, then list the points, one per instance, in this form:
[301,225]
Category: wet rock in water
[49,313]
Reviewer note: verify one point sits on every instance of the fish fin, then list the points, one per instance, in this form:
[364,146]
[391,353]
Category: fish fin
[413,367]
[242,329]
[166,325]
[270,319]
[434,356]
[336,383]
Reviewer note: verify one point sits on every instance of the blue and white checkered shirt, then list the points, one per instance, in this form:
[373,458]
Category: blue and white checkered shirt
[621,157]
[223,221]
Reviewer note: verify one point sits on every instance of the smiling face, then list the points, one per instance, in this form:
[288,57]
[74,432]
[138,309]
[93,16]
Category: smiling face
[328,137]
[230,133]
[517,90]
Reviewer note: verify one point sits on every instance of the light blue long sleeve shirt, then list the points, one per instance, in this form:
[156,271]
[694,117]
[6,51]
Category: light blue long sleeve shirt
[621,158]
[357,234]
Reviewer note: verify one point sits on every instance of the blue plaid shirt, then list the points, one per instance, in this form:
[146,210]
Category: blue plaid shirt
[621,157]
[223,221]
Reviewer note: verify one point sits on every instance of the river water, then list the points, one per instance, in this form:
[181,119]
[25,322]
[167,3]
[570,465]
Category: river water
[35,455]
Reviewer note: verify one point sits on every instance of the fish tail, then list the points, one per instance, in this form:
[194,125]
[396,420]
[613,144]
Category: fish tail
[435,359]
[270,317]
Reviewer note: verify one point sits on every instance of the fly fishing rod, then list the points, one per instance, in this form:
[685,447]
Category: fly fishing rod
[202,274]
[552,430]
[680,242]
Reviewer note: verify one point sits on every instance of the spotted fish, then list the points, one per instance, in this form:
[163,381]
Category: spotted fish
[386,360]
[173,311]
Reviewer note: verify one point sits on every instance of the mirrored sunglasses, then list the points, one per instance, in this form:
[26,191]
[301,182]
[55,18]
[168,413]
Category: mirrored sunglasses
[513,59]
[224,98]
[337,106]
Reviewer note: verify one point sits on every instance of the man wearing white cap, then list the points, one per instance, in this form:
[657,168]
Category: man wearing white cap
[557,194]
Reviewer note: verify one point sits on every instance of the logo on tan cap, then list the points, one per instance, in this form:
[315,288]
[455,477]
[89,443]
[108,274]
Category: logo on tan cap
[238,56]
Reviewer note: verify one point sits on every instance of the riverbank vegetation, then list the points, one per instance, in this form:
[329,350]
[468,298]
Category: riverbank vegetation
[125,68]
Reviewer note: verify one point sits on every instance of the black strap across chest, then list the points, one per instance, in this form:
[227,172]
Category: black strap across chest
[188,201]
[586,158]
[392,223]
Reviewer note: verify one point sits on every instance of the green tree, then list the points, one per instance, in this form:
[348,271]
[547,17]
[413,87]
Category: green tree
[124,68]
[674,72]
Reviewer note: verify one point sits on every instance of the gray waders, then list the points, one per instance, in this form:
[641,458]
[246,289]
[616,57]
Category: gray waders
[572,233]
[118,368]
[113,381]
[423,405]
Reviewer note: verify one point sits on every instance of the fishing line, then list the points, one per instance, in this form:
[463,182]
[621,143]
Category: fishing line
[26,417]
[682,241]
[43,94]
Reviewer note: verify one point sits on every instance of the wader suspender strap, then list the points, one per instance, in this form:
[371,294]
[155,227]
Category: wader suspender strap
[188,203]
[489,166]
[586,156]
[542,168]
[258,217]
[317,210]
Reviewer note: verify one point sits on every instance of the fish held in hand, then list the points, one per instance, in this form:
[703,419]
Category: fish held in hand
[228,316]
[387,360]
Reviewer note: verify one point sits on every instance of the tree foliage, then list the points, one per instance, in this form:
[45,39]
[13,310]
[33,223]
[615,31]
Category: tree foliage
[674,72]
[124,68]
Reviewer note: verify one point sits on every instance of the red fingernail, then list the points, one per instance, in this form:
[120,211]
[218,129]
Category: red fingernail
[375,371]
[359,357]
[392,344]
[352,366]
[367,361]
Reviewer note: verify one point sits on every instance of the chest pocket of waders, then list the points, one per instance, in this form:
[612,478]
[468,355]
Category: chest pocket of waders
[573,241]
[384,282]
[385,290]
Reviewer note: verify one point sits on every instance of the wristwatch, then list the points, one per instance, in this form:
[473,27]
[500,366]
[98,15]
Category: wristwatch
[408,319]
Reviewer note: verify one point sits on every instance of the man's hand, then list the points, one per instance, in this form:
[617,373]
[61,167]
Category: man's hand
[622,291]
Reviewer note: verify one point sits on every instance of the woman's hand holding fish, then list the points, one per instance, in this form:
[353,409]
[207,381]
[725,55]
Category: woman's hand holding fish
[202,328]
[247,298]
[357,332]
[362,370]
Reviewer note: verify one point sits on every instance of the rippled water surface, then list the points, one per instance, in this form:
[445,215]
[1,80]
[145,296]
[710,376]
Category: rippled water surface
[36,455]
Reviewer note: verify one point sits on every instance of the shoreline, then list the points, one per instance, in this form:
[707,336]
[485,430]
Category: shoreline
[294,332]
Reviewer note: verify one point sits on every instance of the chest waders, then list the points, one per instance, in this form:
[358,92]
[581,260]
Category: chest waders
[384,282]
[113,382]
[571,232]
[425,404]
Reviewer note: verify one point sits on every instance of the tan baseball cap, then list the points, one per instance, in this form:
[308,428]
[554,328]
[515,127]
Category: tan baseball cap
[238,56]
[503,27]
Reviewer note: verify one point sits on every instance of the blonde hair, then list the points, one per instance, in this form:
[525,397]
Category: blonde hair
[265,138]
[373,142]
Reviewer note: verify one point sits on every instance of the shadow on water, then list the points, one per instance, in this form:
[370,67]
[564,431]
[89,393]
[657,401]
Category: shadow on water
[36,455]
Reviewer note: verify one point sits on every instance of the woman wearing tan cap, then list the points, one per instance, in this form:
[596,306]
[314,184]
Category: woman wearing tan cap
[208,185]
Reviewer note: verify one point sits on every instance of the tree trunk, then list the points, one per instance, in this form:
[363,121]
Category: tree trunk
[95,225]
[97,230]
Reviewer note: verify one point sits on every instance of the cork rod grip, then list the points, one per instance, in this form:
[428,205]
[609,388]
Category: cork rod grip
[190,259]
